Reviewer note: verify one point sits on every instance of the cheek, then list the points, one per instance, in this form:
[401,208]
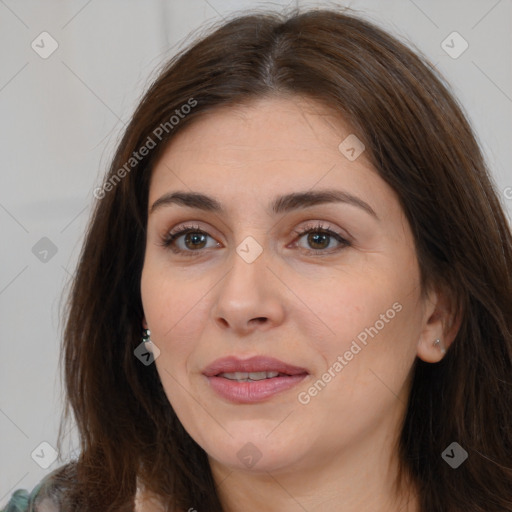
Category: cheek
[366,366]
[338,310]
[372,317]
[172,307]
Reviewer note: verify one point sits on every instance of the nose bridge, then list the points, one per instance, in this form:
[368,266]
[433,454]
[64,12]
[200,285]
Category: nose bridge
[247,292]
[248,275]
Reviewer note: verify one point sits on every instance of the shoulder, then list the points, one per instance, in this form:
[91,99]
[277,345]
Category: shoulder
[47,496]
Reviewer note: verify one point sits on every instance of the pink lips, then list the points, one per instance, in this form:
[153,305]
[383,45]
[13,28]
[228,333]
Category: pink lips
[252,391]
[253,364]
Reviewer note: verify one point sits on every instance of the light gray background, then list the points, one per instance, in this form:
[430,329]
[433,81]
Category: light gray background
[62,116]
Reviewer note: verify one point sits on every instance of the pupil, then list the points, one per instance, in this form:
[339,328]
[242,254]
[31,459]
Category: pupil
[194,238]
[317,238]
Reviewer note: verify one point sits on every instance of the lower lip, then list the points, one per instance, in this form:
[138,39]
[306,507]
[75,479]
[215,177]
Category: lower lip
[256,391]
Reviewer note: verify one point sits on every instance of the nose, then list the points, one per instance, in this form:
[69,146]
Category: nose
[249,297]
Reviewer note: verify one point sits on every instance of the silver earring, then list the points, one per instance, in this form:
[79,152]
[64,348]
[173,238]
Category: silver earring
[146,333]
[437,343]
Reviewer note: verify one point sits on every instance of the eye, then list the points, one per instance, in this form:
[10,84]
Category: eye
[189,240]
[322,239]
[194,239]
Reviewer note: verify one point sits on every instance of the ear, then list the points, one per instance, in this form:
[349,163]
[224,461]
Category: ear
[440,321]
[144,323]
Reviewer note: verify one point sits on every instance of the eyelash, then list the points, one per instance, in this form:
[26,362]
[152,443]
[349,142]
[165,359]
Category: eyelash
[169,239]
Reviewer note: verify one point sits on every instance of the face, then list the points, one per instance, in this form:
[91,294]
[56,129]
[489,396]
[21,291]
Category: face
[297,271]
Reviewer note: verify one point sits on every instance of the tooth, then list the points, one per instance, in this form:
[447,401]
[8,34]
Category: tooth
[249,376]
[258,375]
[235,375]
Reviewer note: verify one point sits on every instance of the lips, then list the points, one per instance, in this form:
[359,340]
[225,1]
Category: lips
[256,364]
[252,380]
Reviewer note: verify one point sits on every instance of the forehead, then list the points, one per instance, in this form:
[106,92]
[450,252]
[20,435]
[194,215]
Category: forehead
[282,126]
[262,147]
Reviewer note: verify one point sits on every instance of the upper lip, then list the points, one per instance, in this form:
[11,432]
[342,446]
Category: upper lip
[253,364]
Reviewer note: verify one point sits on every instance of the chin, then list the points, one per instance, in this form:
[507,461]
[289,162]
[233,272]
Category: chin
[256,452]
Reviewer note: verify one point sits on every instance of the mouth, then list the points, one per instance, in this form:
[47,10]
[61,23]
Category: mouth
[255,368]
[252,380]
[251,376]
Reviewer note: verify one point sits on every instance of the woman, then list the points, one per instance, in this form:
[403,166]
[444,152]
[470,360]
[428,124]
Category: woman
[295,292]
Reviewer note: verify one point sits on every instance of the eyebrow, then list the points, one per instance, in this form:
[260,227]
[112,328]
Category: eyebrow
[281,204]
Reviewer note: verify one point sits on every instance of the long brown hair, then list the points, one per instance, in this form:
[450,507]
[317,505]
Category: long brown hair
[419,141]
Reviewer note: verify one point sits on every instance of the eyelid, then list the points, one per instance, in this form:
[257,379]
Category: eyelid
[183,229]
[322,226]
[319,227]
[168,239]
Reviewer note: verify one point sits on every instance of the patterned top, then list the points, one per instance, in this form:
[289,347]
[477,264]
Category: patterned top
[47,495]
[50,494]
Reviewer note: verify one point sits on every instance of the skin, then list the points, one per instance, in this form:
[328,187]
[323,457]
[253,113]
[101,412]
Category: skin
[304,308]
